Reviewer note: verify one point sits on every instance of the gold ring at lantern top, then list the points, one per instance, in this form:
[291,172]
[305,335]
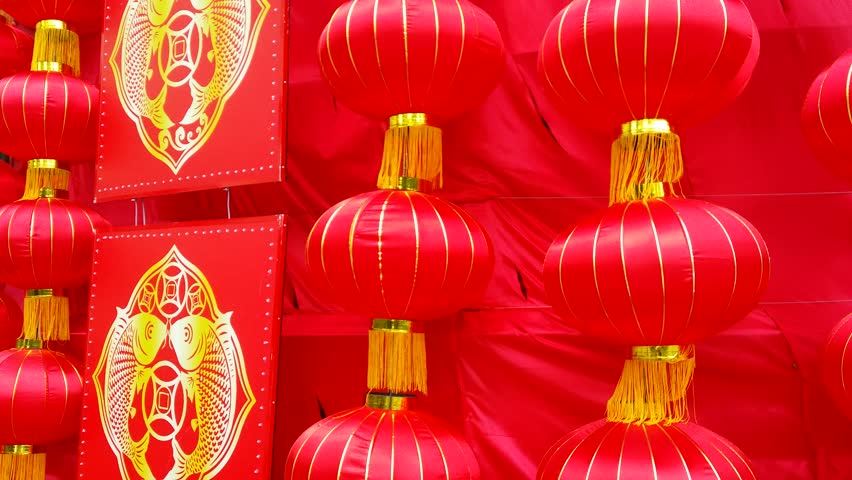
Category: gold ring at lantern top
[657,353]
[42,163]
[54,67]
[409,184]
[18,450]
[650,190]
[29,344]
[408,120]
[47,193]
[383,401]
[646,125]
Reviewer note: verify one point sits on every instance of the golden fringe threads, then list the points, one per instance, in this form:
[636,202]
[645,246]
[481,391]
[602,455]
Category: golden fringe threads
[56,48]
[45,173]
[397,358]
[46,316]
[653,386]
[18,462]
[413,149]
[645,158]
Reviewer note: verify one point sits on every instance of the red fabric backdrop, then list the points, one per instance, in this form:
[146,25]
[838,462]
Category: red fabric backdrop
[508,373]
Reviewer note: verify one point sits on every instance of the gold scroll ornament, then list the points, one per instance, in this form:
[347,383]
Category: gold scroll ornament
[176,69]
[172,372]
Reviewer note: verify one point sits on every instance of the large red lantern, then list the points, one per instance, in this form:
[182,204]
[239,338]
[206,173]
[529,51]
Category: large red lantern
[48,115]
[684,451]
[643,69]
[837,365]
[415,62]
[666,271]
[399,255]
[658,275]
[16,49]
[826,121]
[382,440]
[40,399]
[49,244]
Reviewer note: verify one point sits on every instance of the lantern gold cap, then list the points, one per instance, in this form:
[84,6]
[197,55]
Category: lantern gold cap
[29,344]
[646,125]
[388,401]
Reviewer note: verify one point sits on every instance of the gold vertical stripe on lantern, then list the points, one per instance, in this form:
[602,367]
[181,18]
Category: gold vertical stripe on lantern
[646,153]
[56,48]
[45,173]
[412,149]
[397,357]
[21,462]
[653,386]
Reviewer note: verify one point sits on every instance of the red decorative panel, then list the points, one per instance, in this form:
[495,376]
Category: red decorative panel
[193,96]
[183,346]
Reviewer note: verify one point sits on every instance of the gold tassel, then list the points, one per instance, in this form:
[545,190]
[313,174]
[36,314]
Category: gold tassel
[397,358]
[413,150]
[646,161]
[653,386]
[19,462]
[44,173]
[46,316]
[56,48]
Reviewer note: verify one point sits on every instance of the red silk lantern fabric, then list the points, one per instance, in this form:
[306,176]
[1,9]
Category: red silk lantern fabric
[16,49]
[826,121]
[399,255]
[11,321]
[665,271]
[438,57]
[606,451]
[48,243]
[48,115]
[608,62]
[11,184]
[382,445]
[40,397]
[837,365]
[84,16]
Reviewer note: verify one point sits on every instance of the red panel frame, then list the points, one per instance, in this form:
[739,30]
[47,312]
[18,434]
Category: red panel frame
[183,351]
[172,120]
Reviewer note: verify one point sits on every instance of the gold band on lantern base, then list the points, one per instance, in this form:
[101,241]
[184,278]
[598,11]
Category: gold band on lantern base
[18,450]
[657,353]
[383,401]
[408,120]
[646,125]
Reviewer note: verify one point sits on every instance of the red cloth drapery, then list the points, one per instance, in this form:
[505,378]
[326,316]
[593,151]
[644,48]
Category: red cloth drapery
[526,174]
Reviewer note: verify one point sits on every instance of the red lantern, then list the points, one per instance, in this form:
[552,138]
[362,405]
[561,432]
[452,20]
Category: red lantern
[41,392]
[48,115]
[837,365]
[417,62]
[82,16]
[666,271]
[40,397]
[382,441]
[50,243]
[643,68]
[825,116]
[400,255]
[605,450]
[16,49]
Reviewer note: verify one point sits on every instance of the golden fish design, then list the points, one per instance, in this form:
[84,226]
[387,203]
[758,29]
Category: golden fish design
[167,51]
[172,346]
